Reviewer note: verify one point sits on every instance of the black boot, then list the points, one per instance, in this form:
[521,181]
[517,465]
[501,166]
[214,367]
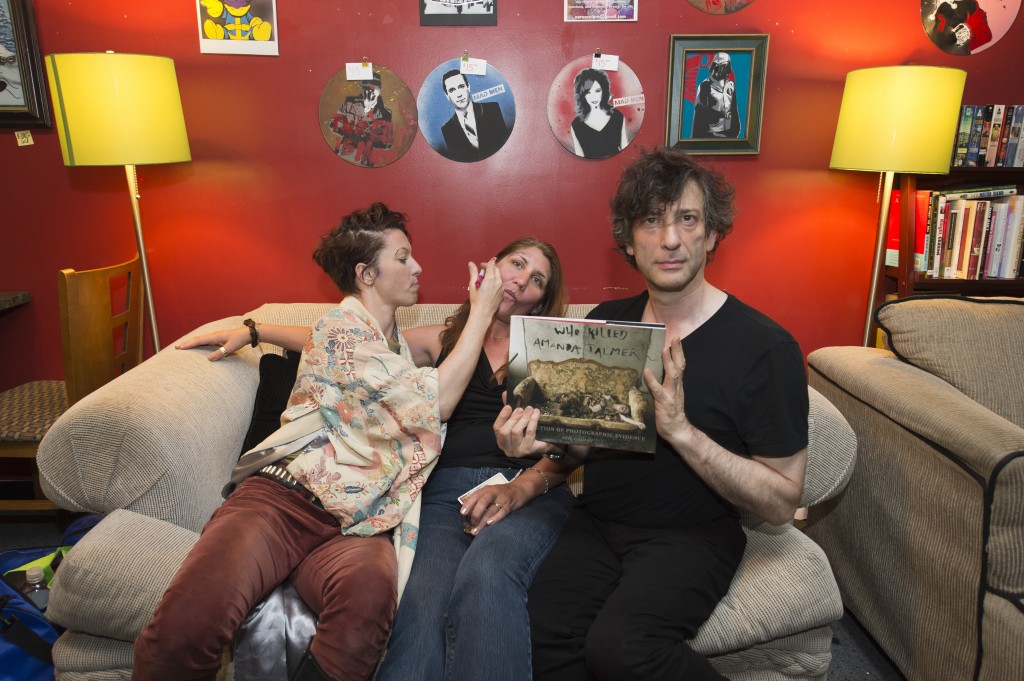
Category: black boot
[309,670]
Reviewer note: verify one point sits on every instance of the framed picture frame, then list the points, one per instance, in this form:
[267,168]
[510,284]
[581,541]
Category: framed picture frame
[23,102]
[716,93]
[458,12]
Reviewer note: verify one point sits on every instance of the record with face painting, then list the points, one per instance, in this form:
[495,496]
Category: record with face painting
[721,6]
[595,113]
[964,27]
[466,117]
[369,123]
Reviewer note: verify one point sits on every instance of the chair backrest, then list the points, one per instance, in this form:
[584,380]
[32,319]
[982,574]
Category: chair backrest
[100,324]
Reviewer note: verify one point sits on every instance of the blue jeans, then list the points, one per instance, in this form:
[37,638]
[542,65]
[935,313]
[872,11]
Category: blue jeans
[463,613]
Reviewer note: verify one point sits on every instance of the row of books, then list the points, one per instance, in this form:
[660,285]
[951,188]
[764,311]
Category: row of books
[988,136]
[967,233]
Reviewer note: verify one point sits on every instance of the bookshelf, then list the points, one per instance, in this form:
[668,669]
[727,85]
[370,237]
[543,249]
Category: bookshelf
[909,282]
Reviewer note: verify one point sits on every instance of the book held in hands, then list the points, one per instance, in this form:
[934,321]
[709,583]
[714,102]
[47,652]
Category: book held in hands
[586,378]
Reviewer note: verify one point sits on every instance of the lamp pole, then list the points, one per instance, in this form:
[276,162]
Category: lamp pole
[880,241]
[133,192]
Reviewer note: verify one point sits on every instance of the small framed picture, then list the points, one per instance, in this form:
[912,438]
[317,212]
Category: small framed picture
[238,27]
[22,98]
[458,12]
[601,10]
[716,93]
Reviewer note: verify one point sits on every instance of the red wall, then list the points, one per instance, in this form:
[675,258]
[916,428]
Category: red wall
[236,226]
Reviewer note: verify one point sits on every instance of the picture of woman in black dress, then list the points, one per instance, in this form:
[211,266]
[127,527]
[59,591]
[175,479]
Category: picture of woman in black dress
[599,129]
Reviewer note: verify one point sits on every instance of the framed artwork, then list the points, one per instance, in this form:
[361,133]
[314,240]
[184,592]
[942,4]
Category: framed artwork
[237,26]
[371,122]
[458,12]
[964,27]
[716,92]
[595,113]
[720,6]
[601,10]
[22,97]
[466,117]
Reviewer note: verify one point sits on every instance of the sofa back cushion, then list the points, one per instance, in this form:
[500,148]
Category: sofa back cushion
[974,344]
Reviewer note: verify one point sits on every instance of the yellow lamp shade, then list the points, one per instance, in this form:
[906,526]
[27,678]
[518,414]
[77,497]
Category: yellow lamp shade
[117,109]
[898,118]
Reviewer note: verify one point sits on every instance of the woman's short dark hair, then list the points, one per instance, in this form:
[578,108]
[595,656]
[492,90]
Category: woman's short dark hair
[358,239]
[656,180]
[552,304]
[584,80]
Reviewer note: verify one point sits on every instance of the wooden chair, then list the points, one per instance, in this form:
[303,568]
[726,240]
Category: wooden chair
[101,335]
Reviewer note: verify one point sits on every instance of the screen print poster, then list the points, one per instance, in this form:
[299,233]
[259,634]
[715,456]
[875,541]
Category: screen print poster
[715,93]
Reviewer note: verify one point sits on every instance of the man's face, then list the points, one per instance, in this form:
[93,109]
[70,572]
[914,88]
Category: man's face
[457,90]
[671,249]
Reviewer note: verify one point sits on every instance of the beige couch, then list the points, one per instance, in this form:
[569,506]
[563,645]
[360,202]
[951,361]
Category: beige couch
[927,540]
[154,447]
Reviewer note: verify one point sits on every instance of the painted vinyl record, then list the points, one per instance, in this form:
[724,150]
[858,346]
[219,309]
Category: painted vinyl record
[721,6]
[595,113]
[964,27]
[369,123]
[466,118]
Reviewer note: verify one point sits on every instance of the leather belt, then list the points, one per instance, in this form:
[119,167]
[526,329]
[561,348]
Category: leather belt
[282,476]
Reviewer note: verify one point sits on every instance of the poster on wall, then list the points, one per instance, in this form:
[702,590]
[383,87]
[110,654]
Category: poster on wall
[595,112]
[964,27]
[369,122]
[458,12]
[22,100]
[721,6]
[237,26]
[601,10]
[716,90]
[466,117]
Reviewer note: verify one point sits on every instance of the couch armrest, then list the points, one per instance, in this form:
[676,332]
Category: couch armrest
[922,403]
[159,440]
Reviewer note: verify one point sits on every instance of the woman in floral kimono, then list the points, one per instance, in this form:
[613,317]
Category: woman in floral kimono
[324,498]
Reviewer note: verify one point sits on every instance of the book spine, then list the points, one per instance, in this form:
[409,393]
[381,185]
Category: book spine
[923,228]
[1004,138]
[995,134]
[986,131]
[983,192]
[974,142]
[892,243]
[941,213]
[1014,141]
[1013,243]
[964,236]
[963,135]
[1000,211]
[949,259]
[982,215]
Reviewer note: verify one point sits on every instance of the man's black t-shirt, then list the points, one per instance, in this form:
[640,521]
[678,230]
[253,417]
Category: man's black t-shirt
[745,387]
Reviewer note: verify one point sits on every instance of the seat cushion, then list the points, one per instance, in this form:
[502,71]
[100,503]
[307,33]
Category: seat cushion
[974,344]
[27,411]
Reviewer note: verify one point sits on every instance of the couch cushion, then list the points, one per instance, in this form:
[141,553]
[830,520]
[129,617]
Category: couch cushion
[277,377]
[974,344]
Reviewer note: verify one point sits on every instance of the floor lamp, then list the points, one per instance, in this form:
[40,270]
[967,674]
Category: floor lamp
[119,110]
[896,119]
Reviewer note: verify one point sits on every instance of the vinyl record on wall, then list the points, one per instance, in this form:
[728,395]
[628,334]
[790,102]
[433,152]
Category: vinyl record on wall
[721,6]
[369,123]
[964,27]
[595,113]
[464,117]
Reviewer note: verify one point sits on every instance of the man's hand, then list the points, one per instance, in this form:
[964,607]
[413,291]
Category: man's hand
[669,416]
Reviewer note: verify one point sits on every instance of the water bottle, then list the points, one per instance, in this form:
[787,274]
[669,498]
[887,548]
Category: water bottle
[35,587]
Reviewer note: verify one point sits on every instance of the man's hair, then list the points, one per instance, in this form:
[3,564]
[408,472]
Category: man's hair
[358,239]
[657,179]
[449,74]
[581,86]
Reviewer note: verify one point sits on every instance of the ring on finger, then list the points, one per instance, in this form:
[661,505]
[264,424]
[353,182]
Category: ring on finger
[223,351]
[497,505]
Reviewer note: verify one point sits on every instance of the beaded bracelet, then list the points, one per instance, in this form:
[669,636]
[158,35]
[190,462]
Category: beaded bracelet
[547,482]
[254,333]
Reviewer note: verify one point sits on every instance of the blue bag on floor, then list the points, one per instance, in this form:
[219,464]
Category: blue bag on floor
[26,636]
